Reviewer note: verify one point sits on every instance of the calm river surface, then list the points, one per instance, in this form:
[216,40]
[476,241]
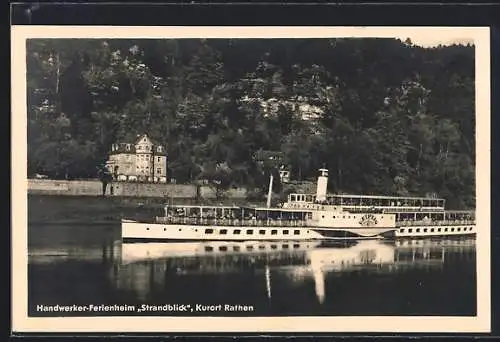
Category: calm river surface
[86,263]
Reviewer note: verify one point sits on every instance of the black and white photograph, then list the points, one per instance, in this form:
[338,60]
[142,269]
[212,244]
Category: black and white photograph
[251,179]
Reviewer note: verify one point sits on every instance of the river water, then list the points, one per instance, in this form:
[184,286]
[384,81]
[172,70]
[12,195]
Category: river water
[84,264]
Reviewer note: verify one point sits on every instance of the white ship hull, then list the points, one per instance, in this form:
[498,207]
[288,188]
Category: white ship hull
[141,231]
[430,230]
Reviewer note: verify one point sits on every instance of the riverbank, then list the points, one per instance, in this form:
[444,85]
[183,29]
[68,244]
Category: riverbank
[93,187]
[49,209]
[125,189]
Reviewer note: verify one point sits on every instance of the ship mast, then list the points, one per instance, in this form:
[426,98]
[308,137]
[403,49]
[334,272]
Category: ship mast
[270,191]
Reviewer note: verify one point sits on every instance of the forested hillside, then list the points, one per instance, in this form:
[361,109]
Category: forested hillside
[384,116]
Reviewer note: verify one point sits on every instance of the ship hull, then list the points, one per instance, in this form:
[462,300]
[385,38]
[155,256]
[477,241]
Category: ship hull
[430,230]
[133,231]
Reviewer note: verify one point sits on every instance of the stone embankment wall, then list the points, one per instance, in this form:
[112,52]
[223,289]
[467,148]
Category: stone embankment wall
[94,188]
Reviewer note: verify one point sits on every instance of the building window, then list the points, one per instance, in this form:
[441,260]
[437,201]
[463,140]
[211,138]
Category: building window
[208,248]
[410,230]
[296,232]
[158,171]
[236,231]
[262,232]
[159,149]
[128,147]
[425,230]
[250,231]
[223,248]
[159,159]
[274,232]
[285,232]
[418,230]
[209,231]
[223,231]
[401,230]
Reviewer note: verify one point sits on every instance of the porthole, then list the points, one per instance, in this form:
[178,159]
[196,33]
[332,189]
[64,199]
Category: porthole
[147,228]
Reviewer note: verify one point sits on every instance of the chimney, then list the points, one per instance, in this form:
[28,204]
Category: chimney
[322,185]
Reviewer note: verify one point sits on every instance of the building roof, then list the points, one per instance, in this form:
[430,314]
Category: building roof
[122,148]
[129,148]
[153,141]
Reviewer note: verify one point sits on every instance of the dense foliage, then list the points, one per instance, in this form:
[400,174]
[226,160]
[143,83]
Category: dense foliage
[385,116]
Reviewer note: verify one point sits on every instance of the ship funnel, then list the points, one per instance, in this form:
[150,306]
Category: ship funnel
[322,185]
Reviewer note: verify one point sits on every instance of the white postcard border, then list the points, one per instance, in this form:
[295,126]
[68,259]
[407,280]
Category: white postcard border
[480,36]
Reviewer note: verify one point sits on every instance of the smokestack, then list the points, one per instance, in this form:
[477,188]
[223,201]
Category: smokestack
[322,185]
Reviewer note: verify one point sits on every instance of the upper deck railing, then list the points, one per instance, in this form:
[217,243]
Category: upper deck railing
[199,221]
[372,201]
[436,223]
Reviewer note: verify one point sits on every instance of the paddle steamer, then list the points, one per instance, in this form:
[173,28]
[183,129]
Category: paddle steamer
[315,221]
[305,217]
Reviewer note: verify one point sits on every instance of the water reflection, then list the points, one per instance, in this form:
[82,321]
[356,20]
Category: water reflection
[144,267]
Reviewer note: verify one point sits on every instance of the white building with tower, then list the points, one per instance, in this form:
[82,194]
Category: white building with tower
[144,161]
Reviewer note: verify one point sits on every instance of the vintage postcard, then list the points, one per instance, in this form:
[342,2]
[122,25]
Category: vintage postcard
[251,179]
